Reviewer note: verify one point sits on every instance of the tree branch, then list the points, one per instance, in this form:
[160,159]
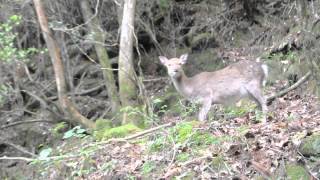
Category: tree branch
[294,86]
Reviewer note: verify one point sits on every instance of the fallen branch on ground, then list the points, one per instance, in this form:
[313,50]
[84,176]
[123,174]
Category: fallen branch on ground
[16,158]
[24,122]
[294,86]
[19,148]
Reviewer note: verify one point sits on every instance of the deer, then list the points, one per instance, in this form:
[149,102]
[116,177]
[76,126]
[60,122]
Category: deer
[243,79]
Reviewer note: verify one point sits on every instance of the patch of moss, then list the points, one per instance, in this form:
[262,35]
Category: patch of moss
[203,138]
[185,131]
[296,172]
[182,157]
[117,132]
[102,125]
[148,167]
[311,146]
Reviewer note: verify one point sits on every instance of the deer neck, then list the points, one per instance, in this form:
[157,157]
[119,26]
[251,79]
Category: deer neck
[181,83]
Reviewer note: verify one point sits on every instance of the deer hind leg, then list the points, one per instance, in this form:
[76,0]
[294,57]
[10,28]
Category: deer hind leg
[204,109]
[256,95]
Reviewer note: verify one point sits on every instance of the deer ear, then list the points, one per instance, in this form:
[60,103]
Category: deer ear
[183,58]
[163,59]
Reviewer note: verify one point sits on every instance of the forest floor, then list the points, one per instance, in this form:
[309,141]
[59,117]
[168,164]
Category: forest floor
[235,147]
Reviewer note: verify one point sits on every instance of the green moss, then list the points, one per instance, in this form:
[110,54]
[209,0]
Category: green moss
[311,146]
[296,172]
[117,132]
[182,157]
[186,132]
[102,125]
[148,167]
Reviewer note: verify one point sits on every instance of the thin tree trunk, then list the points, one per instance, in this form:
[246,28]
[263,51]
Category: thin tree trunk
[127,75]
[98,36]
[54,52]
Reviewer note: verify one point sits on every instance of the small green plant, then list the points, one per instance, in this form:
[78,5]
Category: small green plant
[289,56]
[75,132]
[218,163]
[186,133]
[4,90]
[158,144]
[148,167]
[8,51]
[45,153]
[182,157]
[56,130]
[243,129]
[187,110]
[163,4]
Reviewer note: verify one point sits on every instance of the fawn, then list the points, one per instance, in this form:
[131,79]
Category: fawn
[228,85]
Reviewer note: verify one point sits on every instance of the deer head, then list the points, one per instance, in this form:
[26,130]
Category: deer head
[174,65]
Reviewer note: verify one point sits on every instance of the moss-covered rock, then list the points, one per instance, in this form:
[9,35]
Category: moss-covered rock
[311,145]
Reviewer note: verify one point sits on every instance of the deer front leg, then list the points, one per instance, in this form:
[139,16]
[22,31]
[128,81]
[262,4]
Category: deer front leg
[204,109]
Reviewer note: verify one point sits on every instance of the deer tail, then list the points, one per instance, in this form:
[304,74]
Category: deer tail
[265,72]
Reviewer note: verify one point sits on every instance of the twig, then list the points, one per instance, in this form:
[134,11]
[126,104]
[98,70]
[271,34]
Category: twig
[294,86]
[81,93]
[307,167]
[196,160]
[155,79]
[23,122]
[16,158]
[174,151]
[19,148]
[261,169]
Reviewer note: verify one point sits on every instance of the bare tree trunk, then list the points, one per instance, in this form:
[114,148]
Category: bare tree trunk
[127,75]
[98,36]
[54,52]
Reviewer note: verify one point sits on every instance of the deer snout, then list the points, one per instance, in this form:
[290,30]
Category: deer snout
[172,72]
